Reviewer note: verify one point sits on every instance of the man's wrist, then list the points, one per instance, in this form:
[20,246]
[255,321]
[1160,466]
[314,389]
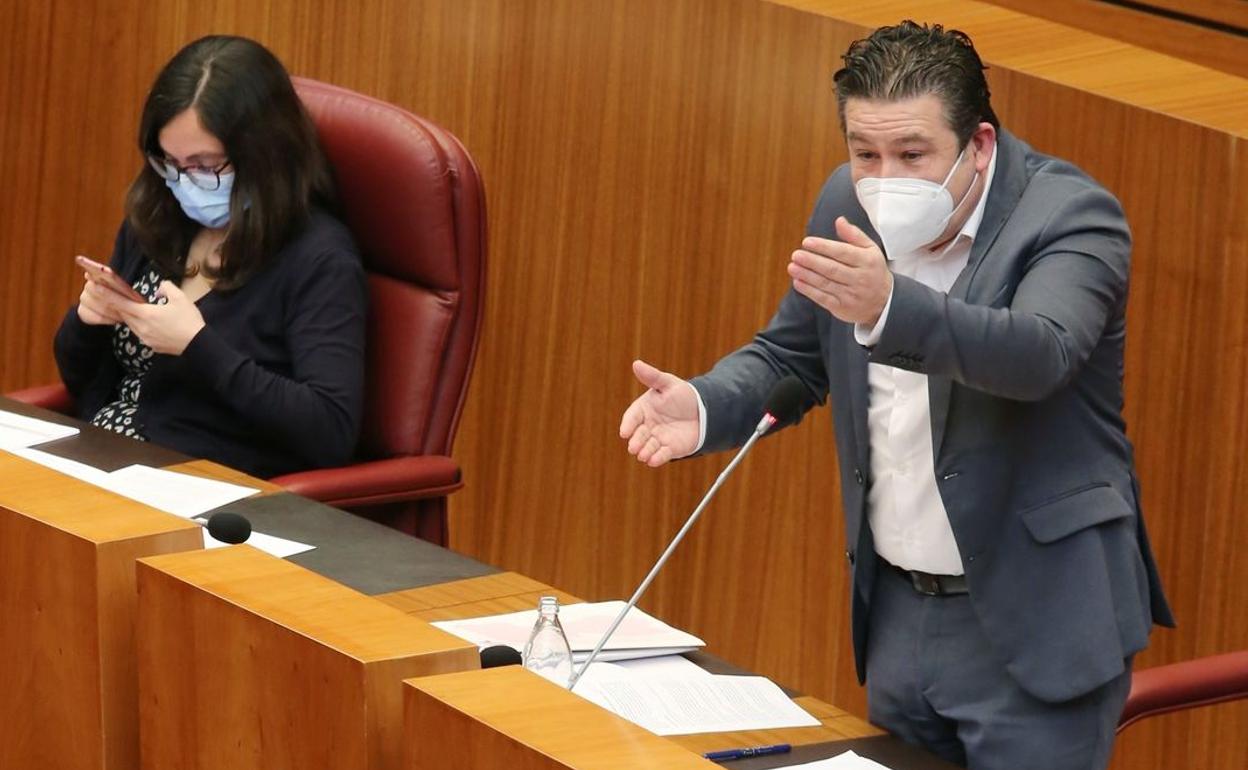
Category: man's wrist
[868,335]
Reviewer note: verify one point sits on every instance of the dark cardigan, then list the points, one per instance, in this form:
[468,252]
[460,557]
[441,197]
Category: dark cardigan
[273,383]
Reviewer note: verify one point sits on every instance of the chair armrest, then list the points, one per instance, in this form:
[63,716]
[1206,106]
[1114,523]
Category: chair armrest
[393,480]
[54,397]
[1188,684]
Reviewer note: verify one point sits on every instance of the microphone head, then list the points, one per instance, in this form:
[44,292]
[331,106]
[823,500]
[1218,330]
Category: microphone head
[229,527]
[499,655]
[785,399]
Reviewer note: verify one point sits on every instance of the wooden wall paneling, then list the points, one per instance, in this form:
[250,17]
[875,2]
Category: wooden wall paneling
[1007,39]
[653,268]
[67,158]
[1231,12]
[1221,48]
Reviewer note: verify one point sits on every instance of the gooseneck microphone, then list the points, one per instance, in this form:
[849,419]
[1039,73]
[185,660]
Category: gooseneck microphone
[781,406]
[227,527]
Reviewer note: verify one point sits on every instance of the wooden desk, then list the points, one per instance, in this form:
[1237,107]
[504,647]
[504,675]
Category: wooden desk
[480,708]
[68,604]
[249,662]
[67,607]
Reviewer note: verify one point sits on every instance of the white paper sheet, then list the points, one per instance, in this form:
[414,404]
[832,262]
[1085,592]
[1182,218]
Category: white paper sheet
[847,761]
[639,636]
[270,544]
[178,493]
[20,431]
[82,471]
[692,704]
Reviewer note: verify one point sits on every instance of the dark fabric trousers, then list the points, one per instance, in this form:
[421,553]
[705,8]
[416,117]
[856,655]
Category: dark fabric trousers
[933,680]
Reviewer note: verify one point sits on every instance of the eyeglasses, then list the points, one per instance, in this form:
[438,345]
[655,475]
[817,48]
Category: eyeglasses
[201,177]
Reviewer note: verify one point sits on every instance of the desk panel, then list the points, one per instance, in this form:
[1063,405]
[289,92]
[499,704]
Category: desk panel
[67,607]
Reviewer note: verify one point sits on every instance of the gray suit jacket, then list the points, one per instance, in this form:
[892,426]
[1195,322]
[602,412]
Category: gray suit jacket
[1024,358]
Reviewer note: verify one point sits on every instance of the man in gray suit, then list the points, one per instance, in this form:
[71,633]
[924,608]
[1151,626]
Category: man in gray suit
[961,301]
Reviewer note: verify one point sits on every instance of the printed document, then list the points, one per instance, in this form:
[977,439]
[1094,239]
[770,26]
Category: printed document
[684,704]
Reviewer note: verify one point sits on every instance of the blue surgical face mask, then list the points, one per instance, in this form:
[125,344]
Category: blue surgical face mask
[210,208]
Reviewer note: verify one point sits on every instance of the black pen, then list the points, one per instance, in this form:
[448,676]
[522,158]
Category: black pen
[757,751]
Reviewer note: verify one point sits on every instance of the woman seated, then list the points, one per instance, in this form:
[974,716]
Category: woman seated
[248,345]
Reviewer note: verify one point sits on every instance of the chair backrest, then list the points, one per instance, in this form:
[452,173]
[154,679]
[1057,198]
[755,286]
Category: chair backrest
[413,199]
[1191,683]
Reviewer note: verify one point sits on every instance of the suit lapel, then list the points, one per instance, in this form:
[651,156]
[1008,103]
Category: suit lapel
[1008,183]
[859,394]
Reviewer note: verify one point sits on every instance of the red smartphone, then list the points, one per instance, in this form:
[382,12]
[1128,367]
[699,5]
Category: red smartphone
[104,275]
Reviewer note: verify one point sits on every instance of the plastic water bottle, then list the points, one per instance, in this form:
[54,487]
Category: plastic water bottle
[547,651]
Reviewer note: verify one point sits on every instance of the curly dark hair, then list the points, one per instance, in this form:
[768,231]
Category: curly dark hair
[244,97]
[909,60]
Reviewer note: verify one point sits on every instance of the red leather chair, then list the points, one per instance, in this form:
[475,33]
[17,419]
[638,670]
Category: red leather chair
[1189,684]
[413,198]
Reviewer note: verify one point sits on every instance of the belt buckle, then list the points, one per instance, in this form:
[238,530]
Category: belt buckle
[928,585]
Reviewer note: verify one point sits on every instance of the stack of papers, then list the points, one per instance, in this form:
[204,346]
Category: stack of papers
[672,696]
[639,635]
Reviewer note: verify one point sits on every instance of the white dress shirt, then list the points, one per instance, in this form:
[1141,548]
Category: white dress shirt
[908,519]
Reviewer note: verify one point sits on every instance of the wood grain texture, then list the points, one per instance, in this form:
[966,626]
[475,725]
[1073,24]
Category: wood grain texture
[509,717]
[1204,45]
[649,167]
[250,662]
[1137,75]
[67,606]
[1230,12]
[460,592]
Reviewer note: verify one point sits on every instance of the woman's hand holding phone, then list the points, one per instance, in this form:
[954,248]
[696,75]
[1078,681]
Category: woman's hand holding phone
[166,327]
[102,293]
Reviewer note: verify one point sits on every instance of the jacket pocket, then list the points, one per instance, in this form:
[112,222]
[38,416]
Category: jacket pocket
[1073,511]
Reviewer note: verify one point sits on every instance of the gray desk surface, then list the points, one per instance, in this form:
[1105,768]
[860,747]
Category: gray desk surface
[369,557]
[375,559]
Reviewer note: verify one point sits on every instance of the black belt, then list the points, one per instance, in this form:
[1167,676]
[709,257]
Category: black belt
[933,585]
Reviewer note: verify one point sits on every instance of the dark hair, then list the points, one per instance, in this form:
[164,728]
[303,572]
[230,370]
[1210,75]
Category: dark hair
[243,96]
[909,60]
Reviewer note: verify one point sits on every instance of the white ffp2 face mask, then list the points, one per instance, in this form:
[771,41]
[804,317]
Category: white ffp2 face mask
[909,214]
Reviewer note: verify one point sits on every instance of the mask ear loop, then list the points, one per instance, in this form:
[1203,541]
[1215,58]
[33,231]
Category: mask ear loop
[965,195]
[955,165]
